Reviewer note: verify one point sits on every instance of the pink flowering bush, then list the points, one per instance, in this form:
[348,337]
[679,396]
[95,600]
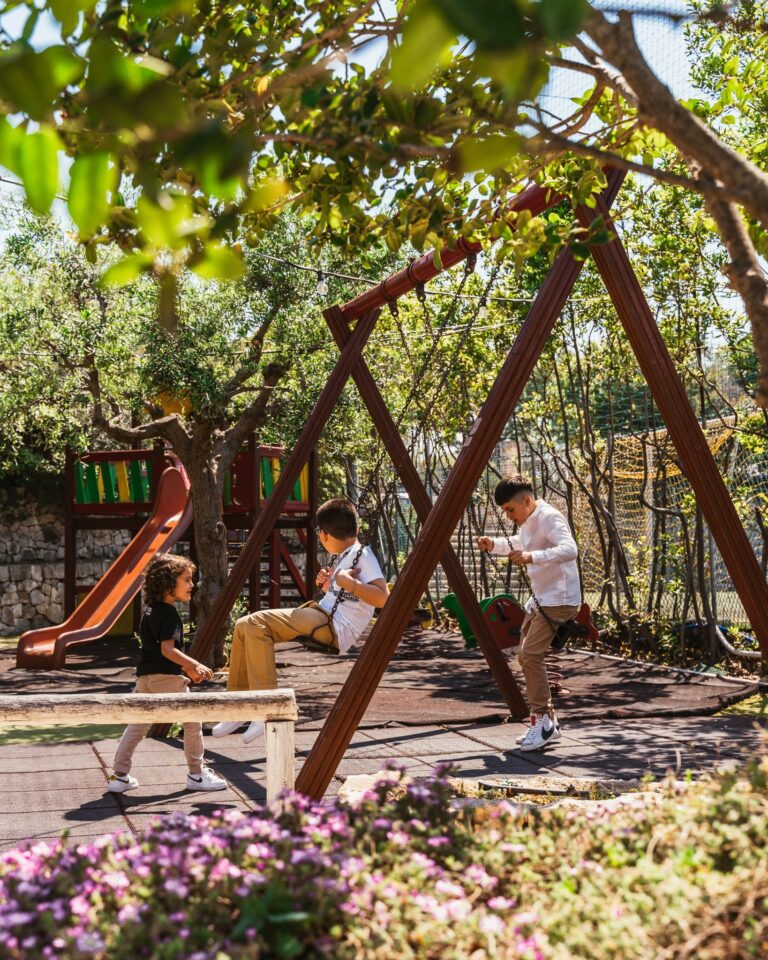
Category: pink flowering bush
[682,873]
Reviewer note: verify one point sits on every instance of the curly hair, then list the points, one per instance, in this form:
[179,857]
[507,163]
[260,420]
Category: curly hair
[162,573]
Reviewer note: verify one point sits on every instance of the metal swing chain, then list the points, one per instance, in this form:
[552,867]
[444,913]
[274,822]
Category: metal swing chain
[430,405]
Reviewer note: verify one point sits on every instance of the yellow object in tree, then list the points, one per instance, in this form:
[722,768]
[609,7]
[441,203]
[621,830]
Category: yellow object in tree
[172,403]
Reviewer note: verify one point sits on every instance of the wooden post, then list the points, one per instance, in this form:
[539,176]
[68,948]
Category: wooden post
[390,435]
[310,570]
[279,741]
[434,538]
[690,443]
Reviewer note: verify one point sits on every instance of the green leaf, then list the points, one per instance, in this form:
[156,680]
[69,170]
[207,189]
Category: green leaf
[67,12]
[32,81]
[562,19]
[125,270]
[219,263]
[492,24]
[425,45]
[492,153]
[11,139]
[92,181]
[39,168]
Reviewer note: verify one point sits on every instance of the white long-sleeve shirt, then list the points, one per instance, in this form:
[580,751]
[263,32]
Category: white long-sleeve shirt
[553,571]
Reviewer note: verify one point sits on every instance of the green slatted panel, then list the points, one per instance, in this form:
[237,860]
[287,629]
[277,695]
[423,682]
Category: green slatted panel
[109,482]
[266,473]
[297,490]
[80,496]
[137,483]
[91,484]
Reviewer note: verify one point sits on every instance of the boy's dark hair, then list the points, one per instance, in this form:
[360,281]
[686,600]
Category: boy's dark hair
[338,518]
[162,573]
[509,487]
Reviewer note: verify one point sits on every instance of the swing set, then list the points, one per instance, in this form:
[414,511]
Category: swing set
[351,325]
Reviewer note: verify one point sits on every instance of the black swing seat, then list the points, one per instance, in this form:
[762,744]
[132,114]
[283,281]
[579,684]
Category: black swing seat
[311,644]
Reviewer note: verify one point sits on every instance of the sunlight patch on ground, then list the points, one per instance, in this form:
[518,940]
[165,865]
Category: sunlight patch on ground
[17,733]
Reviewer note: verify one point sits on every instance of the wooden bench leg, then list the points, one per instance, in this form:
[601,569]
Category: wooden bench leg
[279,740]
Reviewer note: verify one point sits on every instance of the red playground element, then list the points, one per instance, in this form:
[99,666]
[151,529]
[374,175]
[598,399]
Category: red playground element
[46,649]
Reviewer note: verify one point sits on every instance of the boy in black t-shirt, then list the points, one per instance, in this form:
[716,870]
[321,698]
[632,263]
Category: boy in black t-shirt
[161,664]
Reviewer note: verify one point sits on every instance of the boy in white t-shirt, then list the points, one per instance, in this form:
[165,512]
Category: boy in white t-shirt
[353,585]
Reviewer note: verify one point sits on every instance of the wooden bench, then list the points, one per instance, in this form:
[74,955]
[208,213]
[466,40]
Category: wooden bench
[276,708]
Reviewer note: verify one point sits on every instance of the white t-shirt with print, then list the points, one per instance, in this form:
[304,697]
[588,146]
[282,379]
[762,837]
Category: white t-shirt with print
[353,614]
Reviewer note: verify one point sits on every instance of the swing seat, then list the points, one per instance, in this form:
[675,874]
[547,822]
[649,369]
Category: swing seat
[310,643]
[505,617]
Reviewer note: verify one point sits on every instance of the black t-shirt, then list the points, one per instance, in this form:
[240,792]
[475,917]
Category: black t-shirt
[159,622]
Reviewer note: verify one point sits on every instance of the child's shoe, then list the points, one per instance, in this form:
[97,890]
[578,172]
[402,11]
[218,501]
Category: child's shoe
[119,783]
[541,734]
[253,732]
[226,727]
[205,780]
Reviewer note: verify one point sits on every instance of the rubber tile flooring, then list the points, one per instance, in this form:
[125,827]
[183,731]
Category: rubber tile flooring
[51,788]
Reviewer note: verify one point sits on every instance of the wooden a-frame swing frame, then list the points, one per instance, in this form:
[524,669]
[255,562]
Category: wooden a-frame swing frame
[439,520]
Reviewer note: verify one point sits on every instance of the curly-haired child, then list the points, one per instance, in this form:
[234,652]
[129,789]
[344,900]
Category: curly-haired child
[161,664]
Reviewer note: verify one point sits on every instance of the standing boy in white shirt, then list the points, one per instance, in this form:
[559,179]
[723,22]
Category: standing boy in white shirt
[546,547]
[353,586]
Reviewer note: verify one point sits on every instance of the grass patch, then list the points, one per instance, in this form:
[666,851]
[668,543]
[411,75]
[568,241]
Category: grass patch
[756,706]
[17,733]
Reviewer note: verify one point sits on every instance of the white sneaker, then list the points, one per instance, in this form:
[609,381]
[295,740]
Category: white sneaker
[226,727]
[541,734]
[205,780]
[119,784]
[253,732]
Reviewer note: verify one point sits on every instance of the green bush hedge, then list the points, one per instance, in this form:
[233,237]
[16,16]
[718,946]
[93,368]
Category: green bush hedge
[678,873]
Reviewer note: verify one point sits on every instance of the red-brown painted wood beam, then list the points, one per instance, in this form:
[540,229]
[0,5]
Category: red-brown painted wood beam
[691,445]
[533,198]
[406,470]
[435,535]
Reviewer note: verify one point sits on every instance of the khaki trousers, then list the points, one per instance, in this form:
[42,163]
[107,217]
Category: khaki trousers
[252,659]
[536,636]
[135,732]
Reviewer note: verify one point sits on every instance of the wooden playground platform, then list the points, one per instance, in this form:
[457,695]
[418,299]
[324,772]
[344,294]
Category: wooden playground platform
[437,702]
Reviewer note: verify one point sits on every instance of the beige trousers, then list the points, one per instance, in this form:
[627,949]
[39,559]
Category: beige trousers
[135,732]
[536,636]
[252,659]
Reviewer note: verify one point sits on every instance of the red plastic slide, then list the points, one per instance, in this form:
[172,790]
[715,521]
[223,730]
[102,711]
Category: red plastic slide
[46,649]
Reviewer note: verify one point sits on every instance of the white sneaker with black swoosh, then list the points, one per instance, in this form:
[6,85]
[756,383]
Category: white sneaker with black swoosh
[541,734]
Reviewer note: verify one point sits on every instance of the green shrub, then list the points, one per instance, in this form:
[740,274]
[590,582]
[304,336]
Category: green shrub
[677,873]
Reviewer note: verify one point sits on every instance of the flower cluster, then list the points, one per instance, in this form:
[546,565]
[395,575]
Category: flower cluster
[399,874]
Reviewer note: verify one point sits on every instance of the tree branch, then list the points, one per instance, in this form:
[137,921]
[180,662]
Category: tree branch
[747,278]
[252,417]
[658,108]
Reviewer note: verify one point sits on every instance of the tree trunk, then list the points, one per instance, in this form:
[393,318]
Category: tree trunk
[210,543]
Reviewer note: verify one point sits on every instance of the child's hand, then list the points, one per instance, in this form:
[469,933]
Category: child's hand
[484,543]
[321,580]
[199,672]
[347,579]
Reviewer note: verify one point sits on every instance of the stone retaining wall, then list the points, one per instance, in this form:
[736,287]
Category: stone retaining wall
[32,555]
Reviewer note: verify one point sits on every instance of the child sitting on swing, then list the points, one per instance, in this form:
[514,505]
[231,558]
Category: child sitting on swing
[353,585]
